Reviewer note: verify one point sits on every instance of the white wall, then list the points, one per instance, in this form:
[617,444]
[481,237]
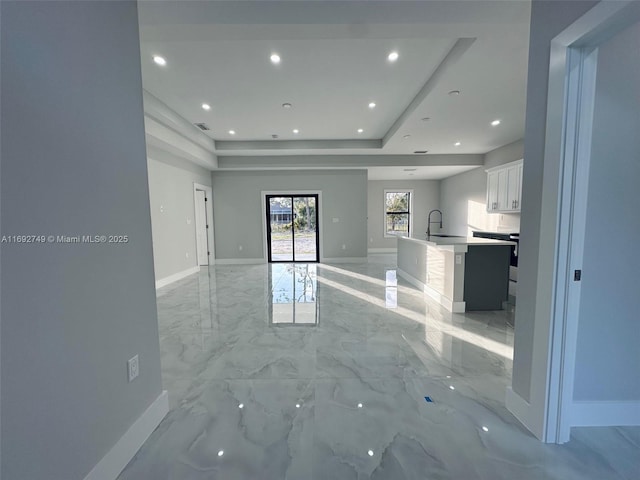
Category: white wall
[425,198]
[608,348]
[463,197]
[532,327]
[73,314]
[171,180]
[239,217]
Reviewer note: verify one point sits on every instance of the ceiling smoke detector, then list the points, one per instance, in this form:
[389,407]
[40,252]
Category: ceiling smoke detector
[286,105]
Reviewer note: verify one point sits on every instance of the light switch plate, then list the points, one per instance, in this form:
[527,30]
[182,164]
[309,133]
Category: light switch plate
[133,367]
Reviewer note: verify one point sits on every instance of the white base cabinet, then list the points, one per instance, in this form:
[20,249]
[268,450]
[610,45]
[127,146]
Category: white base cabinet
[504,188]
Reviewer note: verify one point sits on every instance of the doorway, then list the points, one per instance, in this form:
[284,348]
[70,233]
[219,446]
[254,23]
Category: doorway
[203,222]
[590,172]
[292,228]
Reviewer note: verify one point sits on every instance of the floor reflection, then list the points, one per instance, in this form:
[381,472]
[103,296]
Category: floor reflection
[391,289]
[294,291]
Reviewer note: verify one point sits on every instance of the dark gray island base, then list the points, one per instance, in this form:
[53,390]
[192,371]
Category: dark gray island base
[460,273]
[486,277]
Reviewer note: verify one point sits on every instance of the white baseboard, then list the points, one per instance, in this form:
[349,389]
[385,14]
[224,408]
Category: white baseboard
[123,451]
[163,282]
[240,261]
[344,260]
[605,414]
[521,409]
[411,279]
[382,250]
[446,302]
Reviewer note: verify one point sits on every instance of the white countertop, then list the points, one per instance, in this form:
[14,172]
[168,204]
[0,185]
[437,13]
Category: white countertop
[452,241]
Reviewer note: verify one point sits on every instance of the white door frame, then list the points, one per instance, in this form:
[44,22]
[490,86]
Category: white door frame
[210,236]
[572,75]
[302,193]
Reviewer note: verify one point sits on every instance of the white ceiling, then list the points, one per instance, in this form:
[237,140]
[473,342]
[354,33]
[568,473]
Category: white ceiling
[334,62]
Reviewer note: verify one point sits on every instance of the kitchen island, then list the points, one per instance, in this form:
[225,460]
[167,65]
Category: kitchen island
[460,273]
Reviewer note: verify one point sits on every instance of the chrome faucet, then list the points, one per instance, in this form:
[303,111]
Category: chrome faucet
[430,222]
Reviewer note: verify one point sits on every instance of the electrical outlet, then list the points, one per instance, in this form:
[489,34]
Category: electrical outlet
[133,367]
[458,259]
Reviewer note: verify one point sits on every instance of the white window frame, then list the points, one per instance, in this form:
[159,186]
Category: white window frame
[384,210]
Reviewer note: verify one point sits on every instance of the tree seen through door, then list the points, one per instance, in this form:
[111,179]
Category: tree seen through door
[293,232]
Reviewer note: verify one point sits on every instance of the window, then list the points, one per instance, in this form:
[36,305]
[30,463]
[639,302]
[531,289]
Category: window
[397,213]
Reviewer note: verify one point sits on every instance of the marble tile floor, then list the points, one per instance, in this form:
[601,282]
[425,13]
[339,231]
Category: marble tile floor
[343,397]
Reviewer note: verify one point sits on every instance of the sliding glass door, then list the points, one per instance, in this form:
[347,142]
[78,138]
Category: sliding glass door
[292,228]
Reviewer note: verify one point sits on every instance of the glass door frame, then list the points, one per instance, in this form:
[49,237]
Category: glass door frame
[268,197]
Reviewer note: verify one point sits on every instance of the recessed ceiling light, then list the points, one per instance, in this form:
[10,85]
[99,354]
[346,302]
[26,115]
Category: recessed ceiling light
[393,56]
[360,130]
[297,405]
[485,429]
[495,123]
[454,93]
[425,119]
[372,105]
[370,452]
[359,405]
[220,453]
[452,387]
[232,132]
[286,105]
[241,405]
[275,58]
[296,131]
[159,60]
[406,136]
[457,144]
[206,106]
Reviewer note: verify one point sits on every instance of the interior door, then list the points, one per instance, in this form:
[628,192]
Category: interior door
[201,228]
[292,228]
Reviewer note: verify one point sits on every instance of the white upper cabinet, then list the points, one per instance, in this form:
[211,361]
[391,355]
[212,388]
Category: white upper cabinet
[504,188]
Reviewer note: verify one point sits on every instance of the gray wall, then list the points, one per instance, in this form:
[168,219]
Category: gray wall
[463,197]
[547,20]
[72,315]
[608,353]
[239,216]
[171,182]
[425,198]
